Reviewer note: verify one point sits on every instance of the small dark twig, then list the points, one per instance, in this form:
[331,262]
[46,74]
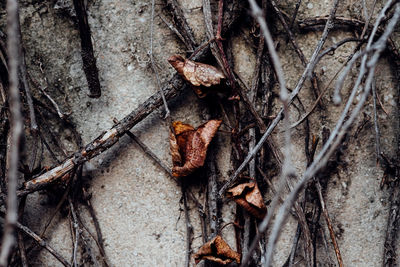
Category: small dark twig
[23,72]
[21,244]
[294,246]
[212,196]
[189,228]
[148,151]
[76,235]
[88,58]
[99,240]
[296,10]
[42,243]
[172,28]
[299,52]
[42,89]
[376,124]
[167,112]
[329,223]
[181,24]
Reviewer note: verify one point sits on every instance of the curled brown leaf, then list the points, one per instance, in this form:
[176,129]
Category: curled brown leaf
[248,196]
[217,250]
[198,74]
[189,146]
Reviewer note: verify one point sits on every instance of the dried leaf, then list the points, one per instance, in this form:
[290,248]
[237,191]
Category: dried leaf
[248,196]
[176,155]
[217,250]
[198,74]
[189,146]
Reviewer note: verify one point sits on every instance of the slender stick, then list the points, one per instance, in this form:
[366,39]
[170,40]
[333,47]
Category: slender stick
[167,112]
[23,72]
[76,227]
[150,153]
[212,196]
[183,27]
[296,10]
[325,52]
[189,227]
[314,81]
[88,58]
[21,244]
[43,244]
[376,124]
[329,223]
[13,155]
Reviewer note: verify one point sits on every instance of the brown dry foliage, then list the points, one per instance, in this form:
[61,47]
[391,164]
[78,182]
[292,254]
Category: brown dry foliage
[189,146]
[198,74]
[217,250]
[248,196]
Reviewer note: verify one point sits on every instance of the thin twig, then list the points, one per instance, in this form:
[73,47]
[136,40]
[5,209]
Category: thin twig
[294,246]
[13,155]
[299,52]
[212,196]
[88,58]
[76,240]
[325,52]
[148,151]
[376,124]
[21,244]
[329,223]
[99,240]
[22,69]
[296,10]
[182,26]
[189,228]
[43,244]
[210,32]
[167,112]
[172,28]
[42,89]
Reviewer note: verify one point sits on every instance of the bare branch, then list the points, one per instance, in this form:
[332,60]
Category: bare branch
[13,155]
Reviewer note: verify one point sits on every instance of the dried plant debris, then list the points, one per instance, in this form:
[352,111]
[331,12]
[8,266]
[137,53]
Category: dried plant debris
[198,74]
[217,250]
[248,196]
[189,146]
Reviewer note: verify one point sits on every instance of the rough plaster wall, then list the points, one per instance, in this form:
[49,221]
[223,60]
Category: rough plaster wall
[138,205]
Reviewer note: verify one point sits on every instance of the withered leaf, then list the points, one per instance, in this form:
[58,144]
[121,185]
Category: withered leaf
[196,73]
[217,250]
[248,196]
[189,146]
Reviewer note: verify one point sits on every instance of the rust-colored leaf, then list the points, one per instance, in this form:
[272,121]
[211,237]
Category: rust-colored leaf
[248,196]
[217,250]
[189,146]
[198,74]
